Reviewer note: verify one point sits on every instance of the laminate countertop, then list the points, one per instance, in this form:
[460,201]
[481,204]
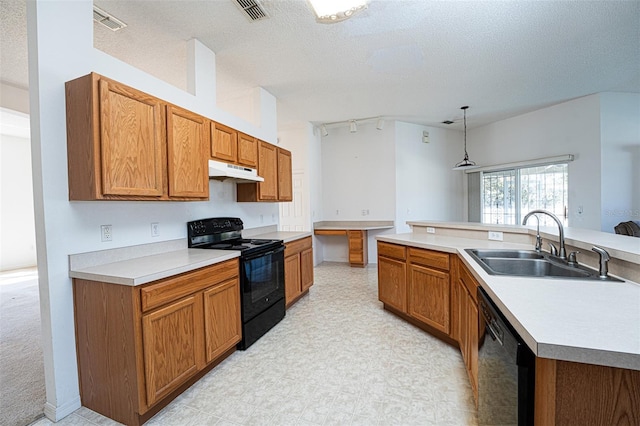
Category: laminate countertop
[354,225]
[588,321]
[143,264]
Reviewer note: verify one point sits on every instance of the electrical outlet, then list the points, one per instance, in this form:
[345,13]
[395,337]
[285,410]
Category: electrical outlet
[495,235]
[261,218]
[431,230]
[155,229]
[105,232]
[337,212]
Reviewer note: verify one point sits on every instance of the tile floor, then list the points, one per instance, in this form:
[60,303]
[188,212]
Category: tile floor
[336,359]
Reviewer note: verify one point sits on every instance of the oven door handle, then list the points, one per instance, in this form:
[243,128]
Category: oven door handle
[257,255]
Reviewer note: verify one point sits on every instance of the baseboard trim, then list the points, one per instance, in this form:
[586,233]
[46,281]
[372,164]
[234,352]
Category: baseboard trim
[56,414]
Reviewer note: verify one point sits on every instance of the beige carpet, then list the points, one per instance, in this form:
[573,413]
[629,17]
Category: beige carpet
[22,393]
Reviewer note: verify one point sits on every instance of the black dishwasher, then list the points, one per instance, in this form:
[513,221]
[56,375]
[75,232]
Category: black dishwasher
[506,370]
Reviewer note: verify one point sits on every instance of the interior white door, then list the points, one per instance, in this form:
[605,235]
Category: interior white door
[294,215]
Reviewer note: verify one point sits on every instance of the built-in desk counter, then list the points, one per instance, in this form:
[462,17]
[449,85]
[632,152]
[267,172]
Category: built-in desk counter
[357,235]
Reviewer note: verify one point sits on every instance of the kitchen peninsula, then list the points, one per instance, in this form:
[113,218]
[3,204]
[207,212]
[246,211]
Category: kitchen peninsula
[585,334]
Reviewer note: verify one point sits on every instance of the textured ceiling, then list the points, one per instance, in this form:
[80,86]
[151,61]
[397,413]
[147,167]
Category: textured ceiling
[417,61]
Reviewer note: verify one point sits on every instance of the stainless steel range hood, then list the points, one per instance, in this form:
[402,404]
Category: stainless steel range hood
[223,171]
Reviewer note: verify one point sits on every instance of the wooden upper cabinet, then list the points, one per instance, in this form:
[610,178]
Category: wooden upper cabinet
[247,151]
[285,185]
[268,169]
[224,143]
[187,143]
[131,141]
[117,142]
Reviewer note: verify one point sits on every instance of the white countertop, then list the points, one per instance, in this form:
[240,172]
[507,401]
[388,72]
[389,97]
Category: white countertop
[285,236]
[146,263]
[145,269]
[361,225]
[574,320]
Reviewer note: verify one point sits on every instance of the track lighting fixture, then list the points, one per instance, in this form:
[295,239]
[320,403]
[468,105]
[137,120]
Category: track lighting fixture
[323,129]
[380,124]
[353,127]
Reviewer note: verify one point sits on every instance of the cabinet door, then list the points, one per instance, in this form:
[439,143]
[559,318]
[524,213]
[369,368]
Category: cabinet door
[224,143]
[268,169]
[247,151]
[187,142]
[292,285]
[306,269]
[172,339]
[392,283]
[429,291]
[471,359]
[222,323]
[285,185]
[132,141]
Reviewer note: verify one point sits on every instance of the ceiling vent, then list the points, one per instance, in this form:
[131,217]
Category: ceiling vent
[109,21]
[252,8]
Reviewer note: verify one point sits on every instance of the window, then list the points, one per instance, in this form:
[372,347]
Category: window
[508,195]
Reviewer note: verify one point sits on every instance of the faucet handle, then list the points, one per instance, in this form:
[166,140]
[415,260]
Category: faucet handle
[604,259]
[553,250]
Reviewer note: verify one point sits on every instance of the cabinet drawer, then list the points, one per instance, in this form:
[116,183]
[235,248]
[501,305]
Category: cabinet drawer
[164,291]
[297,246]
[392,250]
[435,259]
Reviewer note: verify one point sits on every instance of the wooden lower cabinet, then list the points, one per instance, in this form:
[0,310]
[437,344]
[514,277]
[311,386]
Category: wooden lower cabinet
[141,346]
[572,393]
[468,323]
[172,346]
[298,269]
[392,283]
[429,297]
[358,248]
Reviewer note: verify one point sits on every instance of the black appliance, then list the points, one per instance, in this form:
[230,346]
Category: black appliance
[506,370]
[261,272]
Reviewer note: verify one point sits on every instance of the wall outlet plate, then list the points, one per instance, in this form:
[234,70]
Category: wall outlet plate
[155,229]
[495,235]
[431,230]
[105,233]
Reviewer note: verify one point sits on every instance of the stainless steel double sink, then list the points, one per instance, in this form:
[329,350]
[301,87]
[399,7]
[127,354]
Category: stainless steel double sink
[530,263]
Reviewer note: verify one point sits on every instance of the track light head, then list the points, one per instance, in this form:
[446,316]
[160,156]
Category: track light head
[353,127]
[323,130]
[380,124]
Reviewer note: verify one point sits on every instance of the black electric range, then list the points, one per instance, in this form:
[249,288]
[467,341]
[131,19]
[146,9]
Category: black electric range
[225,233]
[261,272]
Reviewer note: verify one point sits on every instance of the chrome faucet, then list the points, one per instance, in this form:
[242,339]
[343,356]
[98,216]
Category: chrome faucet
[563,250]
[604,261]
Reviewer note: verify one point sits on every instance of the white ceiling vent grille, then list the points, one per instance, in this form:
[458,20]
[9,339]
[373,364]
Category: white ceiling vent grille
[252,8]
[109,21]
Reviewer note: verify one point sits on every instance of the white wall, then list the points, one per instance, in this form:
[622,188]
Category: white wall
[426,187]
[17,233]
[571,127]
[358,173]
[620,162]
[60,36]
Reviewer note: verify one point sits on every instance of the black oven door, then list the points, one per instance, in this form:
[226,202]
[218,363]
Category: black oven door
[262,280]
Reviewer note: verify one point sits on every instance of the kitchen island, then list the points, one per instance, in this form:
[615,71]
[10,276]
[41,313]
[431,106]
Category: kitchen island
[585,334]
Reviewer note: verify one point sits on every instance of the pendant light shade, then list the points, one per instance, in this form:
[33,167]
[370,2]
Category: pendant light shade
[465,164]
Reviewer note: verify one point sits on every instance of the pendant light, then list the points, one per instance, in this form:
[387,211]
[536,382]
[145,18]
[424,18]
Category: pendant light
[465,164]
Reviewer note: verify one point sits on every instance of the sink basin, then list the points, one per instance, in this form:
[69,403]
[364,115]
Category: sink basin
[510,254]
[533,268]
[530,263]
